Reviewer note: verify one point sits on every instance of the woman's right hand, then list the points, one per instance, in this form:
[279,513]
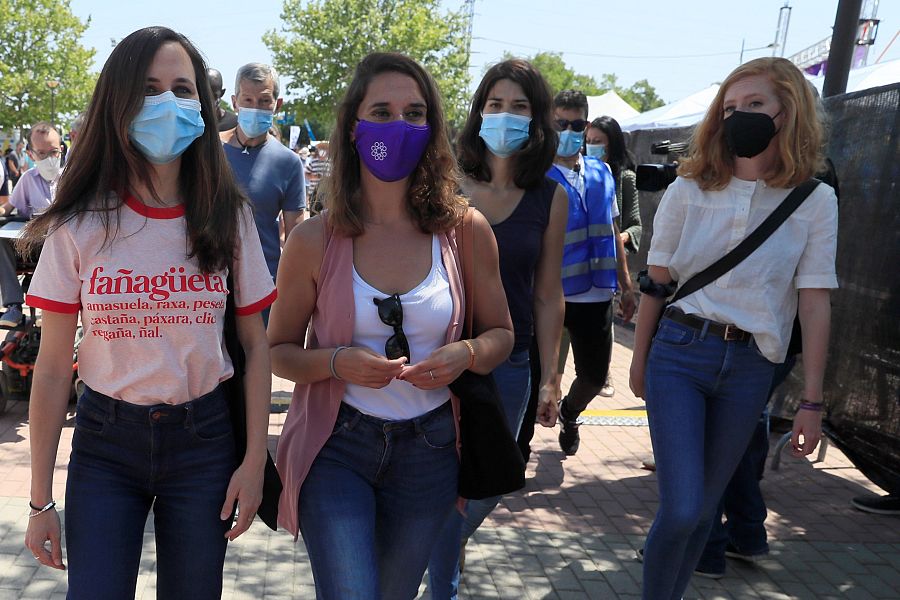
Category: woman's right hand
[361,366]
[41,529]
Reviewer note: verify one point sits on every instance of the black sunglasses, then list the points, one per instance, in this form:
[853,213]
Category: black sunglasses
[390,311]
[576,125]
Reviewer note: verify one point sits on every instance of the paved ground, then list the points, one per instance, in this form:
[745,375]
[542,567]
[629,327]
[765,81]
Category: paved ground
[570,534]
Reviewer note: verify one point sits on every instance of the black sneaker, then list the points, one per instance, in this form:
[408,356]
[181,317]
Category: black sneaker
[569,439]
[879,505]
[732,551]
[639,554]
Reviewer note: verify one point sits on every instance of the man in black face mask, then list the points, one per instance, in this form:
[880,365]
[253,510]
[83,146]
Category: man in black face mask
[227,119]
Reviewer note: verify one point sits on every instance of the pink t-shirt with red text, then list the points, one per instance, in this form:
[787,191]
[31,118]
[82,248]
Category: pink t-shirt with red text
[153,322]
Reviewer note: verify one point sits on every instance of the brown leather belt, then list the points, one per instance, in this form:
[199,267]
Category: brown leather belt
[730,333]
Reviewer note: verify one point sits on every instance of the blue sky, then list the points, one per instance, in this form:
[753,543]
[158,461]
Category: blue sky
[657,40]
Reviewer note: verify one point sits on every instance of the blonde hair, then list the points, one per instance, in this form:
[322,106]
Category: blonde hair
[799,140]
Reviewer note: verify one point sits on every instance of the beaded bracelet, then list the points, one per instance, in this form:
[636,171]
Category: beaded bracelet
[40,509]
[331,364]
[471,353]
[814,406]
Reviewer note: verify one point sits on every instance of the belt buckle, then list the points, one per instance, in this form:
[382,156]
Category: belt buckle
[733,333]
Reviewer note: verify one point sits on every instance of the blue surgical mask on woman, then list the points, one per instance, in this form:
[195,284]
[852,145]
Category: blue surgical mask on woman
[254,121]
[504,133]
[596,150]
[166,126]
[570,142]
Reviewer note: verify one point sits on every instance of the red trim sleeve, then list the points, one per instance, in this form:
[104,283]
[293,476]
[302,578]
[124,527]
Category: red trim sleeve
[52,305]
[251,309]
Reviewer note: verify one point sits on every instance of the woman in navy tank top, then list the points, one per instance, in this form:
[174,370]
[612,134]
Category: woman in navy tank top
[506,146]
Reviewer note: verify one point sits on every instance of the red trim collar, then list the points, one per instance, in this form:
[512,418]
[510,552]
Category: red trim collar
[154,212]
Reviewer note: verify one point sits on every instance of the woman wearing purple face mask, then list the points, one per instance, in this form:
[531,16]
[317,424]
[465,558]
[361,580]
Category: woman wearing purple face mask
[368,452]
[506,146]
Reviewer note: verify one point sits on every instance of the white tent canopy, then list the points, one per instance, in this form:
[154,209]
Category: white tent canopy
[686,111]
[690,110]
[610,104]
[864,78]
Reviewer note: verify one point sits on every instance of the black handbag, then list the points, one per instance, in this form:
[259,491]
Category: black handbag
[491,463]
[237,406]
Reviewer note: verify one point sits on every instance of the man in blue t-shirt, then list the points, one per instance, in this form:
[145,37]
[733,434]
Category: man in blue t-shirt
[271,175]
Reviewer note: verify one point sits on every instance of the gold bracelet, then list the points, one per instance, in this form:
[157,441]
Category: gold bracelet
[471,353]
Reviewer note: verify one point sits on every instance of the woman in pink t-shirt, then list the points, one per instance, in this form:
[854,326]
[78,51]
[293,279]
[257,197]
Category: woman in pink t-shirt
[368,453]
[147,237]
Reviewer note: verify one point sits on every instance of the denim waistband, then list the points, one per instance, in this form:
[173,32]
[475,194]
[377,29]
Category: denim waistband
[386,425]
[113,409]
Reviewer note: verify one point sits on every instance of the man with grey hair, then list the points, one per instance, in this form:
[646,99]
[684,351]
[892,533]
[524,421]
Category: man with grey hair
[271,175]
[75,128]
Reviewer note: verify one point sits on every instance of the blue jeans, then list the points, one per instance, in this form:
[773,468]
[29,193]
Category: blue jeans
[128,459]
[704,397]
[513,378]
[374,502]
[743,503]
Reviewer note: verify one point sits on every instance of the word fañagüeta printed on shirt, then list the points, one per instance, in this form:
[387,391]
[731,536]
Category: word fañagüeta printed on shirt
[152,320]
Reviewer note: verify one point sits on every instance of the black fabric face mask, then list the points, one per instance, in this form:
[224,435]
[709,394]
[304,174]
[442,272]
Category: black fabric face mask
[749,133]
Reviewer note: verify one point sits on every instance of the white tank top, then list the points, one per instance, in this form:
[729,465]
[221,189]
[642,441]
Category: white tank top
[427,310]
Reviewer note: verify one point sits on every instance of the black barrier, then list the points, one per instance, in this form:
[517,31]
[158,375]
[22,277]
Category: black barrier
[862,379]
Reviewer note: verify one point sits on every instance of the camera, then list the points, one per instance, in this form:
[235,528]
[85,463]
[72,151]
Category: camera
[653,177]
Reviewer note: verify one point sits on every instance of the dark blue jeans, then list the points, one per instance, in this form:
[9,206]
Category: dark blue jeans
[704,397]
[128,459]
[513,378]
[374,501]
[743,503]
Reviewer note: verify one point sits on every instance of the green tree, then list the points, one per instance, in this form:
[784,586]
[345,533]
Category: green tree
[322,41]
[41,44]
[558,75]
[641,95]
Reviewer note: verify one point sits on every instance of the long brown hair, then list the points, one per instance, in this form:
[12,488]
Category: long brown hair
[799,140]
[536,156]
[96,177]
[432,200]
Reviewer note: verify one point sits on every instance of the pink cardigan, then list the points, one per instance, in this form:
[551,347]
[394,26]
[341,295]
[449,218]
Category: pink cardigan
[314,406]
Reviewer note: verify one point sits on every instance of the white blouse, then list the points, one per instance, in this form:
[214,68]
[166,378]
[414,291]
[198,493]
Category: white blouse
[694,228]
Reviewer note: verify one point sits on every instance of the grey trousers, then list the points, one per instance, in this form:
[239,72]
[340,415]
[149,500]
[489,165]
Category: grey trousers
[10,288]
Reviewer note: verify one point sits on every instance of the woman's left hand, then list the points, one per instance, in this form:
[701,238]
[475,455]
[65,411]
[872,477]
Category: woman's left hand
[808,424]
[245,488]
[442,367]
[548,404]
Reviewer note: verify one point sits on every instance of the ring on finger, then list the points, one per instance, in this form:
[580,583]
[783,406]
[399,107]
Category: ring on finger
[432,375]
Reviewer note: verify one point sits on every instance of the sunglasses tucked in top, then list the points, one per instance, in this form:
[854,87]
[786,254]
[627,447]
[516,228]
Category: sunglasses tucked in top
[390,311]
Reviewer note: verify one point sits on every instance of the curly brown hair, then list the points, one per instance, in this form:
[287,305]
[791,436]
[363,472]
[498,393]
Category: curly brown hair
[432,200]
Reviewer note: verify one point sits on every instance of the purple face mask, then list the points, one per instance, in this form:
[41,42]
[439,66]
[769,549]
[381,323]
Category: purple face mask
[391,151]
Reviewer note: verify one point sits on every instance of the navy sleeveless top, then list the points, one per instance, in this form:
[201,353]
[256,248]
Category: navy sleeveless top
[519,240]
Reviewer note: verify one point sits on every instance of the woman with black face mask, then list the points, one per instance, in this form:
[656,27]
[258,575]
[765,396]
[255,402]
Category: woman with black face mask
[706,365]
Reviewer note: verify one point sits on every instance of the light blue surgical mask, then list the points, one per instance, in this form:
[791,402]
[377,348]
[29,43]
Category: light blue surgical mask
[596,150]
[504,133]
[254,121]
[570,142]
[166,126]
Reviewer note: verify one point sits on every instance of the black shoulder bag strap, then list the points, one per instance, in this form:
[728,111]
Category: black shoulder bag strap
[750,243]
